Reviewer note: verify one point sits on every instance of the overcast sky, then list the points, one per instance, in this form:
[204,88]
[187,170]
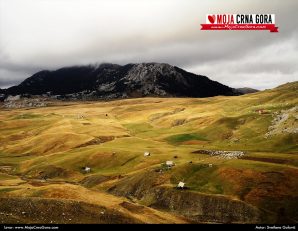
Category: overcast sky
[50,34]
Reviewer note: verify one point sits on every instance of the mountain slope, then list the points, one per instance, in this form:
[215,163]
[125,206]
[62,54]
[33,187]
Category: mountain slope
[115,81]
[246,90]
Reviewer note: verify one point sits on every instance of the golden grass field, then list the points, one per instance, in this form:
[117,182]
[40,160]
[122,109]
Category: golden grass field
[43,151]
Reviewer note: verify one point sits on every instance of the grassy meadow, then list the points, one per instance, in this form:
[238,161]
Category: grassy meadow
[43,152]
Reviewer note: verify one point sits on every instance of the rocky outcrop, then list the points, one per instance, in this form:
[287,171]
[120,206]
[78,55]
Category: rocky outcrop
[13,102]
[222,154]
[284,122]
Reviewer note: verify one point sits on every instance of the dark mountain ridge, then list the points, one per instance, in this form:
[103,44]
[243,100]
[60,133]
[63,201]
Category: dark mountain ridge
[247,90]
[116,81]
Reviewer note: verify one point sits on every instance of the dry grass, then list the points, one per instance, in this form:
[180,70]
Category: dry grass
[110,137]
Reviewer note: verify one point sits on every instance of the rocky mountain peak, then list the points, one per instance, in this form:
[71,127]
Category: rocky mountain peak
[115,81]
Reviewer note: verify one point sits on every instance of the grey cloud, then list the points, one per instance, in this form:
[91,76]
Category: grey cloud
[49,34]
[266,67]
[10,78]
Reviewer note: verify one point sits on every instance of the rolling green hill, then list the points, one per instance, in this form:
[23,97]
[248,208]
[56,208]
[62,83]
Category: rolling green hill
[43,152]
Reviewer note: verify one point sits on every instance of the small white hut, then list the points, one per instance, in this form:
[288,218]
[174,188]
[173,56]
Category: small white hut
[169,163]
[210,165]
[181,185]
[87,169]
[147,153]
